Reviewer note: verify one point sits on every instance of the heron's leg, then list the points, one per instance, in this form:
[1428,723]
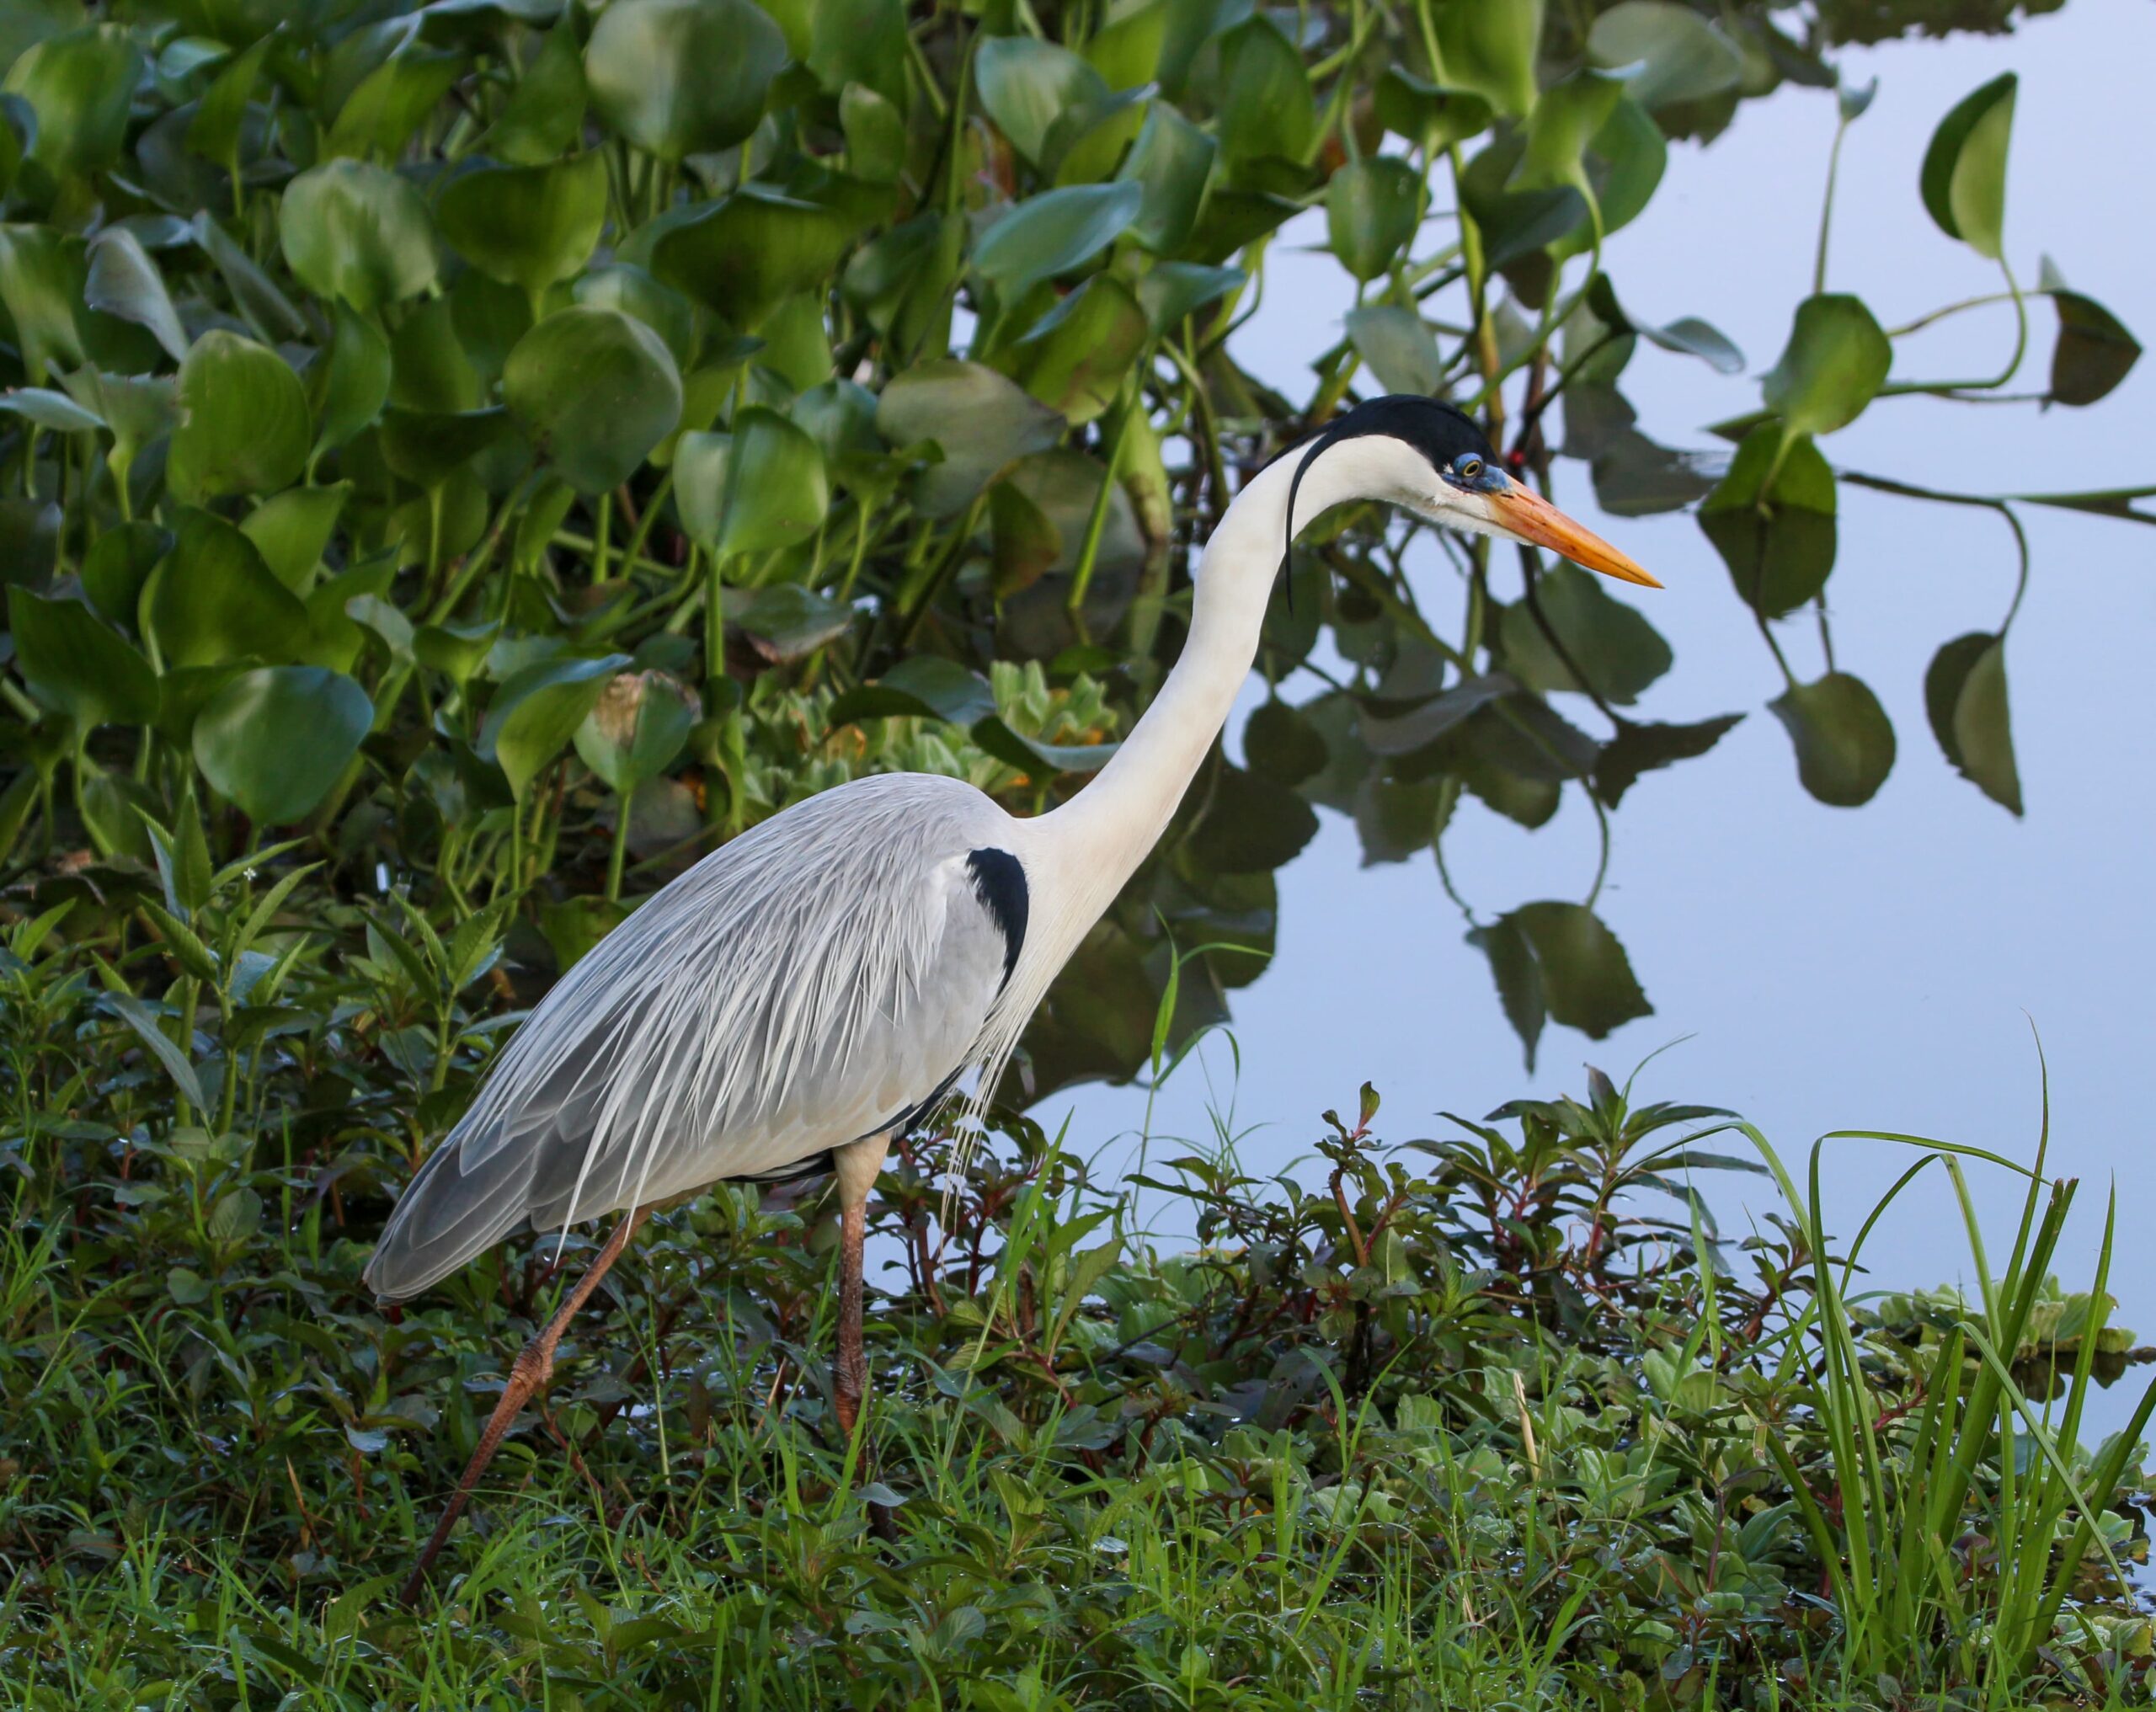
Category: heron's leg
[855,1166]
[531,1371]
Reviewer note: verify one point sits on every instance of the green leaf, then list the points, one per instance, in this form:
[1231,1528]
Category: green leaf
[1488,47]
[1168,291]
[118,564]
[1641,748]
[1845,741]
[678,78]
[544,114]
[1372,207]
[1052,233]
[1964,177]
[1519,976]
[76,663]
[1586,978]
[1075,357]
[213,601]
[1778,541]
[214,132]
[1669,54]
[243,426]
[349,383]
[43,407]
[1281,745]
[659,306]
[536,712]
[1173,160]
[81,86]
[291,530]
[594,390]
[527,226]
[1266,107]
[875,134]
[357,234]
[777,491]
[1833,365]
[1397,346]
[982,421]
[1965,696]
[258,296]
[637,729]
[2095,351]
[748,254]
[124,281]
[275,740]
[1620,652]
[1026,84]
[787,623]
[926,686]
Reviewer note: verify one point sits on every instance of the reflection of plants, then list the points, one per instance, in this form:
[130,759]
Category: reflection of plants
[513,466]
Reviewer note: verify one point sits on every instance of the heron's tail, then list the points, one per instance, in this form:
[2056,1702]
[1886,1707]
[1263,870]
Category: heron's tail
[459,1204]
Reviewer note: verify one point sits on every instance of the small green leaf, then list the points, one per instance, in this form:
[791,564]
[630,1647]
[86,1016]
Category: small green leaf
[1669,52]
[527,226]
[1964,177]
[214,132]
[1779,541]
[875,134]
[1075,357]
[1266,107]
[595,392]
[1488,47]
[1586,980]
[243,426]
[1965,696]
[2094,351]
[1607,640]
[213,601]
[1519,976]
[1845,741]
[275,740]
[77,665]
[787,623]
[1052,233]
[1173,159]
[1641,749]
[543,117]
[1281,745]
[746,255]
[1251,825]
[393,101]
[1371,210]
[348,385]
[118,564]
[357,234]
[1026,84]
[537,711]
[1833,365]
[124,281]
[776,489]
[1397,346]
[292,529]
[81,87]
[678,78]
[983,422]
[637,729]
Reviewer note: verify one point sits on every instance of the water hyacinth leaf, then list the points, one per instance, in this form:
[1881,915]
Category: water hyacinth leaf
[43,407]
[213,601]
[594,390]
[1778,540]
[857,41]
[1266,105]
[1845,741]
[1518,978]
[2095,351]
[357,234]
[1026,84]
[659,306]
[1667,53]
[526,225]
[787,623]
[1687,335]
[214,132]
[638,728]
[875,132]
[1423,113]
[276,739]
[700,461]
[981,421]
[1834,363]
[1025,545]
[678,78]
[1488,48]
[1173,160]
[1585,978]
[1371,210]
[1625,160]
[1515,224]
[1085,143]
[536,713]
[124,281]
[1074,358]
[1281,744]
[1567,118]
[1641,748]
[1964,177]
[290,531]
[73,662]
[118,565]
[392,102]
[427,447]
[1168,291]
[1964,698]
[348,384]
[1606,640]
[543,117]
[777,490]
[1052,233]
[921,686]
[1250,824]
[1397,346]
[260,299]
[244,424]
[81,87]
[750,253]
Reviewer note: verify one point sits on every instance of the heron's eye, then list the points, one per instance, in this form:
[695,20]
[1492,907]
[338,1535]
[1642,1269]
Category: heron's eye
[1467,467]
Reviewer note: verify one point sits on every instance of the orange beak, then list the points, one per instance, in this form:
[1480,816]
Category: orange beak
[1533,518]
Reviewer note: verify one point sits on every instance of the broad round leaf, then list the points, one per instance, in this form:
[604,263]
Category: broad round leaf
[1397,346]
[214,602]
[1052,233]
[659,306]
[1251,825]
[124,281]
[1606,639]
[243,426]
[1586,980]
[748,254]
[1026,84]
[1778,541]
[1371,209]
[982,421]
[1172,158]
[778,491]
[1266,106]
[594,390]
[638,726]
[81,86]
[1489,48]
[534,715]
[275,740]
[1666,52]
[76,663]
[527,226]
[1845,741]
[1965,697]
[1964,178]
[1833,365]
[2094,349]
[356,234]
[1077,356]
[678,78]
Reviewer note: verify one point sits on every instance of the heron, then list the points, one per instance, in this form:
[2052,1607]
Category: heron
[810,991]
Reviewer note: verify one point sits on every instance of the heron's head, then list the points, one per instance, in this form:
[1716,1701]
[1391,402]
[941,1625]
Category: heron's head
[1430,458]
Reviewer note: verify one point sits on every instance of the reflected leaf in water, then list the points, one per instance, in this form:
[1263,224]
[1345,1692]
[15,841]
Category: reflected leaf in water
[1845,741]
[1639,748]
[1772,520]
[1281,744]
[1834,363]
[1557,962]
[1250,824]
[1568,634]
[2094,352]
[1964,179]
[1965,695]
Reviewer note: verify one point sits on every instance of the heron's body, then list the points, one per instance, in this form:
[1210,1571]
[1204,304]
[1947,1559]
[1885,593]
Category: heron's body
[806,992]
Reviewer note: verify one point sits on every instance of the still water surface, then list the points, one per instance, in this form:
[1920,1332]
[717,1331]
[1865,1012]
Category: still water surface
[1879,967]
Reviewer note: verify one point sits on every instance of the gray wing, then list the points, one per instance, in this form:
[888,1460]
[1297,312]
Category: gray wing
[815,981]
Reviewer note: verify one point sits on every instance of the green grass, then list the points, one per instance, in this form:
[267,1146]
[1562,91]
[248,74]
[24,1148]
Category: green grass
[1492,1419]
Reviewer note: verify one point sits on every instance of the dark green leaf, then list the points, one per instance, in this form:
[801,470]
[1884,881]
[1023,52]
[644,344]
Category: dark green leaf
[1639,748]
[75,663]
[1519,976]
[527,226]
[118,564]
[544,114]
[291,530]
[1052,233]
[124,281]
[776,489]
[637,729]
[274,740]
[1586,980]
[81,86]
[1667,52]
[1371,210]
[1266,106]
[1607,640]
[1075,358]
[982,421]
[1281,744]
[2094,351]
[1397,346]
[1964,178]
[1026,84]
[537,711]
[243,426]
[1777,542]
[213,601]
[1845,741]
[787,623]
[594,390]
[1489,47]
[357,234]
[1172,158]
[678,78]
[1250,824]
[1965,695]
[748,254]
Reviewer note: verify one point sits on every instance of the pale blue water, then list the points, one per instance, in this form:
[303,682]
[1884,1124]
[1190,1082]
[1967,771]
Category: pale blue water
[1877,968]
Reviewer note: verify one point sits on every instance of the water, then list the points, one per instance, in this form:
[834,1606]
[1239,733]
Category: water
[1877,968]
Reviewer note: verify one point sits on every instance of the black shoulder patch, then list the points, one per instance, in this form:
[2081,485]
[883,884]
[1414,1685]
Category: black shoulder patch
[1000,882]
